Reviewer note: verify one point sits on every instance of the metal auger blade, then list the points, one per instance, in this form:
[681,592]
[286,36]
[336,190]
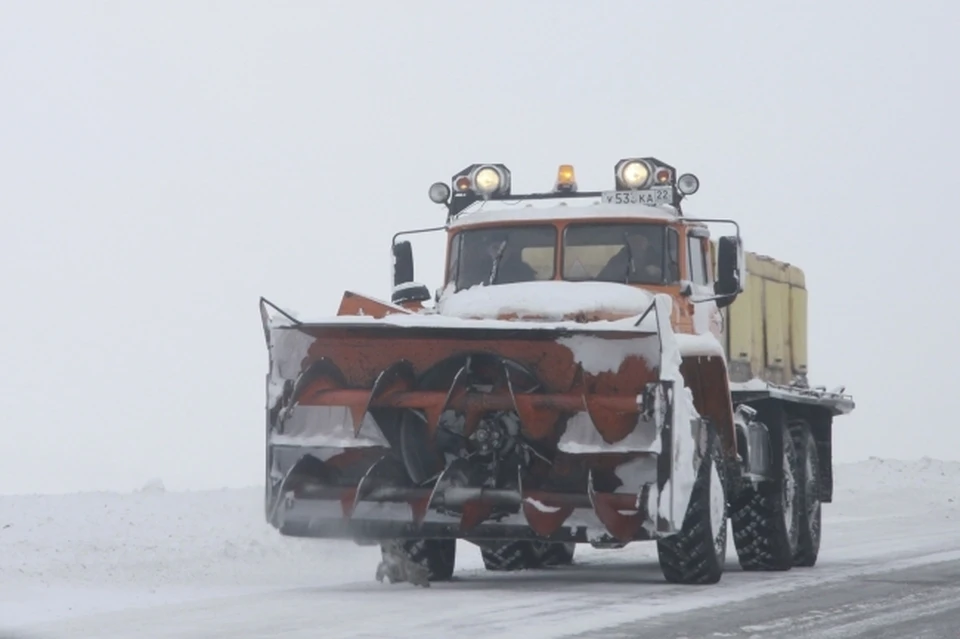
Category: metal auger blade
[387,472]
[622,524]
[543,513]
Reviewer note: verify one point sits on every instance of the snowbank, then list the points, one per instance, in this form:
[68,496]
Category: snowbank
[925,487]
[148,548]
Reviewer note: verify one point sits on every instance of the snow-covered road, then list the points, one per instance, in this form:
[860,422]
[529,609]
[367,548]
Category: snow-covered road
[159,564]
[919,602]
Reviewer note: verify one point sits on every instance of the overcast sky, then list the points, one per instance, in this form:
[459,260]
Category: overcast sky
[163,164]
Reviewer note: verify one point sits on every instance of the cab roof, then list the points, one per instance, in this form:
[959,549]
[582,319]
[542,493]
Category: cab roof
[559,208]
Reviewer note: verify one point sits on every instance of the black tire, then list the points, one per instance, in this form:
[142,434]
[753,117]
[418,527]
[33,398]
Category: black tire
[556,554]
[766,518]
[437,556]
[508,556]
[808,480]
[698,553]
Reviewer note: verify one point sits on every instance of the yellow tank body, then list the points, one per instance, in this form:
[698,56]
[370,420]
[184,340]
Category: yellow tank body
[765,329]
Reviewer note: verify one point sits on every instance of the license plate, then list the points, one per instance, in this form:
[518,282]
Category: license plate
[653,196]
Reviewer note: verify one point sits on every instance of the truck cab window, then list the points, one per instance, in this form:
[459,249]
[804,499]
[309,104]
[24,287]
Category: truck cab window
[628,253]
[673,256]
[504,255]
[696,260]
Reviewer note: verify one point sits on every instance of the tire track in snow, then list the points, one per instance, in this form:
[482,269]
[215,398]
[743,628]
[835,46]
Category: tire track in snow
[919,601]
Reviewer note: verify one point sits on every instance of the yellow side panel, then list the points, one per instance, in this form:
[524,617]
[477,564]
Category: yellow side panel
[751,262]
[798,328]
[762,265]
[796,277]
[740,326]
[775,294]
[767,324]
[756,323]
[783,310]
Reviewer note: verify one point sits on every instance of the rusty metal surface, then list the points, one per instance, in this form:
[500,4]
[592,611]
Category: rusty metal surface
[545,497]
[364,368]
[544,514]
[369,368]
[301,519]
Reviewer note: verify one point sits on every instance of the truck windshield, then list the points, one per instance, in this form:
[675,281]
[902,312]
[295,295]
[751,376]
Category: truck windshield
[630,253]
[502,255]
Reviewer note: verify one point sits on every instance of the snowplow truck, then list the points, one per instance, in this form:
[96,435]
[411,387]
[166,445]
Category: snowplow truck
[596,369]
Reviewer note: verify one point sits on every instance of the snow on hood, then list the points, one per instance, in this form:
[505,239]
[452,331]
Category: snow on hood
[549,300]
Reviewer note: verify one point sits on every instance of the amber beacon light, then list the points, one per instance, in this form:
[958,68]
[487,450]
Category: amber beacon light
[566,180]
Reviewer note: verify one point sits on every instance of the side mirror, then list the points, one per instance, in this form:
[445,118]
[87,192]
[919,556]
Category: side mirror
[402,263]
[405,290]
[729,282]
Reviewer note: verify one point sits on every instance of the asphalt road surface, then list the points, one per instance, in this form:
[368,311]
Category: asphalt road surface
[916,603]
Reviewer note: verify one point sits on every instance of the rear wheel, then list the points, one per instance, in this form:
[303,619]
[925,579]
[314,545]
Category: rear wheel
[808,482]
[766,517]
[557,554]
[698,553]
[525,555]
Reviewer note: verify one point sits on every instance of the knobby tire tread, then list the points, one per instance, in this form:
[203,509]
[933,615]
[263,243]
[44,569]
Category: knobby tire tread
[510,556]
[759,531]
[690,556]
[808,544]
[438,556]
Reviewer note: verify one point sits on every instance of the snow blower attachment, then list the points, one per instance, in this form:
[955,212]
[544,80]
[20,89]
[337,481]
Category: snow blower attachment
[592,371]
[383,431]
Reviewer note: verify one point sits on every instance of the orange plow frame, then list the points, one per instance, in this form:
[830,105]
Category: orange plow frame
[356,485]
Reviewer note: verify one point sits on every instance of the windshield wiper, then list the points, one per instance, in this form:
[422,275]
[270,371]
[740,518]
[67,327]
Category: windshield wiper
[496,262]
[631,268]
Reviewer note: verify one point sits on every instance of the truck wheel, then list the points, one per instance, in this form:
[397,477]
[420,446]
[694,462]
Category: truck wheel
[698,553]
[808,482]
[433,559]
[507,556]
[556,554]
[525,555]
[766,518]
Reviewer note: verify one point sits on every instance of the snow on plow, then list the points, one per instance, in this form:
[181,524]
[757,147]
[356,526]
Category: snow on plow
[412,426]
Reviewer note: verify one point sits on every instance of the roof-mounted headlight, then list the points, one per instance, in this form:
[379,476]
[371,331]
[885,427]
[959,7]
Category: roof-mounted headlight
[484,180]
[487,180]
[439,192]
[688,184]
[633,174]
